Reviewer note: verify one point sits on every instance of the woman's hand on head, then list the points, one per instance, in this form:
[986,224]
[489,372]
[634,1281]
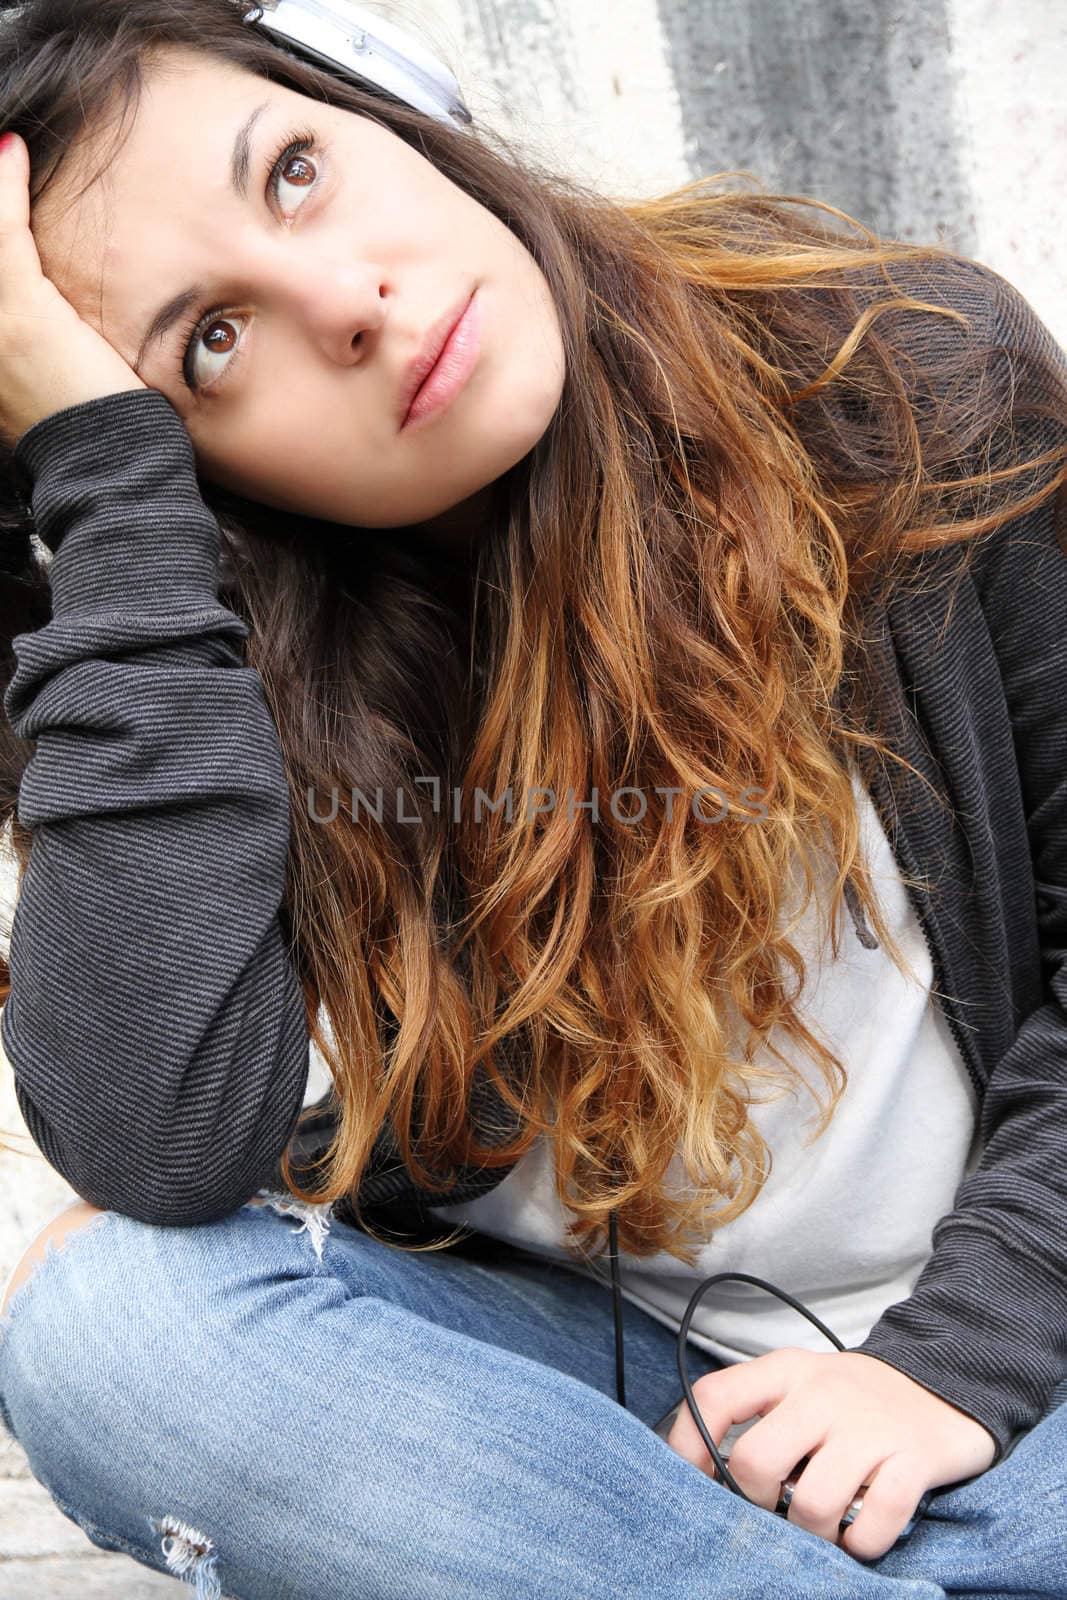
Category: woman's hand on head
[49,357]
[865,1427]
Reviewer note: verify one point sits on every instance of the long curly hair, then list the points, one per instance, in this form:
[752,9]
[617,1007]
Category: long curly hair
[758,431]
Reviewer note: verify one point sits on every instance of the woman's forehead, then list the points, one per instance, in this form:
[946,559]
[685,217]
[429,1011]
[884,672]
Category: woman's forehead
[160,187]
[188,107]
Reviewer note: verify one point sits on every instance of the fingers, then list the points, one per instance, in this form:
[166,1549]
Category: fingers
[807,1432]
[827,1486]
[733,1394]
[50,358]
[896,1488]
[20,264]
[14,185]
[769,1453]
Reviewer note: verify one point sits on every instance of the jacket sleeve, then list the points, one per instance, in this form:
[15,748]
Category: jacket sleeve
[155,1024]
[986,1324]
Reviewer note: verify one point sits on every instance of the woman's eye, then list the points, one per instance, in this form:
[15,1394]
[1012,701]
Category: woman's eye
[216,338]
[293,158]
[213,334]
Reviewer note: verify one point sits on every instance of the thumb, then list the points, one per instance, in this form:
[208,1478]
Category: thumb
[19,260]
[14,185]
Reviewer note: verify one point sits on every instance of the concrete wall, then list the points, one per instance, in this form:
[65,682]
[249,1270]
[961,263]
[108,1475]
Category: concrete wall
[938,121]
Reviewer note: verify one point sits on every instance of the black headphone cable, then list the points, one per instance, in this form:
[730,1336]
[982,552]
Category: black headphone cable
[687,1388]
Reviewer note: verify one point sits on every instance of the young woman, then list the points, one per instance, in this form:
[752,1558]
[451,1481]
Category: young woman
[639,763]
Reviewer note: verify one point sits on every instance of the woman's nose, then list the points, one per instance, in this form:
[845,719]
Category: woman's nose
[337,305]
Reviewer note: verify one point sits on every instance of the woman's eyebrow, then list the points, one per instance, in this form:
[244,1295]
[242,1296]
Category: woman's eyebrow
[240,165]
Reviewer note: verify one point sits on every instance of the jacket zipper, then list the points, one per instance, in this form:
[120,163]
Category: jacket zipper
[918,899]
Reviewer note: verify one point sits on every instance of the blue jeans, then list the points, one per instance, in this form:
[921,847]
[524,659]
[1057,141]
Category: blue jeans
[277,1407]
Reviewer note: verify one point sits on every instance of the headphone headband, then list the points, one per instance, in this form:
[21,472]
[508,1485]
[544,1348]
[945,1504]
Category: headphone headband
[350,39]
[336,33]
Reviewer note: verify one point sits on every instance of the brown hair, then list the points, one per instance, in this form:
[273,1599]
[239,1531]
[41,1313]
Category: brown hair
[758,431]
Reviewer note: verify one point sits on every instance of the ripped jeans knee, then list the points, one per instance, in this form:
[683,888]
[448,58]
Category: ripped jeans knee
[314,1219]
[190,1555]
[115,1348]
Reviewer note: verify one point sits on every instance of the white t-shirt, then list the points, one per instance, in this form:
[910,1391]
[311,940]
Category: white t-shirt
[845,1224]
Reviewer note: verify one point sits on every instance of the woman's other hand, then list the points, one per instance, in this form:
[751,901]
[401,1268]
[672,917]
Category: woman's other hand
[49,358]
[867,1428]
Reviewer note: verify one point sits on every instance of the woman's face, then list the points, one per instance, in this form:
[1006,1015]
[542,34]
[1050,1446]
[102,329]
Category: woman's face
[325,289]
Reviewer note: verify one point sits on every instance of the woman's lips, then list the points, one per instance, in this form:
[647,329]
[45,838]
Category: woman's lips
[454,365]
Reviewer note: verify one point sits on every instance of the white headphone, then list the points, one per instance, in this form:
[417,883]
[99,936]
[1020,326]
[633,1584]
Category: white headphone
[338,34]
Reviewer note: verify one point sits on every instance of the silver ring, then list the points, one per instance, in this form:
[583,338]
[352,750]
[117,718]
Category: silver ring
[785,1500]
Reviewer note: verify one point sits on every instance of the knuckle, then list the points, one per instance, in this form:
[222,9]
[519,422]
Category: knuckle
[815,1511]
[742,1460]
[864,1546]
[867,1540]
[896,1500]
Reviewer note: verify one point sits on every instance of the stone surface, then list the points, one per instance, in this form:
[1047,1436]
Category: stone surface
[84,1578]
[46,1556]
